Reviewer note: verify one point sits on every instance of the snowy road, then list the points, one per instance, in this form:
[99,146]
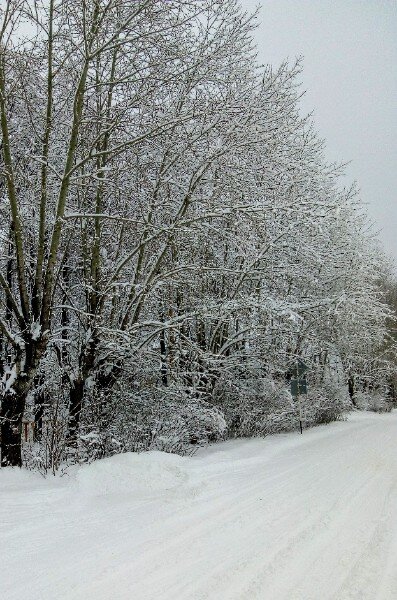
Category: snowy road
[290,517]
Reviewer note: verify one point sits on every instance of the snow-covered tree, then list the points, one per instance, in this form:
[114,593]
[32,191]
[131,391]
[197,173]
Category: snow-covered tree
[171,234]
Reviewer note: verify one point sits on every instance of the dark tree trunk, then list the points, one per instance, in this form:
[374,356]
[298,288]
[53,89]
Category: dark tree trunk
[163,357]
[39,402]
[10,271]
[391,387]
[65,320]
[75,405]
[104,383]
[352,389]
[12,408]
[1,357]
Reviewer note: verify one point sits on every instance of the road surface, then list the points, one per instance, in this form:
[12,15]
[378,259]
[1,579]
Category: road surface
[289,517]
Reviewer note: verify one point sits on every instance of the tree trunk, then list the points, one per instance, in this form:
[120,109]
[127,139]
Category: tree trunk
[14,400]
[163,359]
[75,405]
[12,408]
[39,402]
[352,390]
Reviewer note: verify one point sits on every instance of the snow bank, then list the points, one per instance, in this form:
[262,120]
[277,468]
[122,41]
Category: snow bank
[132,473]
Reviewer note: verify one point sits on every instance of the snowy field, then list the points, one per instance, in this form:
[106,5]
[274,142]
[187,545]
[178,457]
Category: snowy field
[309,517]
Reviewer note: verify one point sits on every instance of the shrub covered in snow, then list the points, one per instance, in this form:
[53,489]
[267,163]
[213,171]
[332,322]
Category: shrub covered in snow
[375,401]
[169,420]
[266,406]
[324,404]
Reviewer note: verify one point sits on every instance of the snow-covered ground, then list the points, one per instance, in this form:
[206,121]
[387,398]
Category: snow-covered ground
[309,517]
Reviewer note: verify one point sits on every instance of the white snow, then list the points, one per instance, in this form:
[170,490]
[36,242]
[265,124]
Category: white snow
[133,474]
[290,517]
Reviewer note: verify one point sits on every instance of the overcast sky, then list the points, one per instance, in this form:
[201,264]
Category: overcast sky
[350,74]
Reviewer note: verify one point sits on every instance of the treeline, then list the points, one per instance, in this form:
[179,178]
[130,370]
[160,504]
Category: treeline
[172,239]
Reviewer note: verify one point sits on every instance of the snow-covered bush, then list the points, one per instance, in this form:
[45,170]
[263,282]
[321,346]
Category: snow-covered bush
[255,407]
[374,401]
[267,407]
[169,420]
[324,404]
[46,449]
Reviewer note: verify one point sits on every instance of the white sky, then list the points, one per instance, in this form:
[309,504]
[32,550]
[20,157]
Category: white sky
[350,74]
